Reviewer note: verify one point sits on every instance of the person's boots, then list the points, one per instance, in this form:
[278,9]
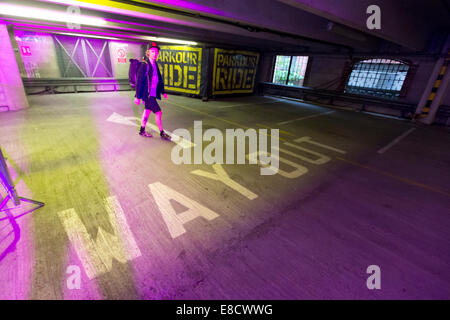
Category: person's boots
[143,133]
[165,136]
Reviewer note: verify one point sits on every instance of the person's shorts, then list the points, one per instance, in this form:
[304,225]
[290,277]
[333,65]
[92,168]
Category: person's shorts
[152,104]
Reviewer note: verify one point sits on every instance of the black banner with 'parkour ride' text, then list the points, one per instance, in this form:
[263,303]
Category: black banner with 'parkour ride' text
[181,68]
[234,71]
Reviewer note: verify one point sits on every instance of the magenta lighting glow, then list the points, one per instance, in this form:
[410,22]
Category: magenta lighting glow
[127,10]
[50,15]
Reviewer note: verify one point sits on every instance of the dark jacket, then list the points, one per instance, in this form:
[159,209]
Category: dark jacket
[132,72]
[144,81]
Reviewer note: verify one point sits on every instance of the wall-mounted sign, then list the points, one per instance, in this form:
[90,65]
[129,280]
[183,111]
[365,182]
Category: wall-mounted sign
[181,68]
[234,71]
[25,50]
[122,55]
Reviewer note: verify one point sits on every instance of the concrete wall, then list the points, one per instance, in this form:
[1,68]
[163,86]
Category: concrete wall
[265,68]
[447,100]
[12,93]
[36,58]
[40,61]
[121,53]
[419,81]
[324,72]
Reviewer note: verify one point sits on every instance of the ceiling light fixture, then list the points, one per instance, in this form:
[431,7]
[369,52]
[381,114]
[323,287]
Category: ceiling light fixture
[168,40]
[49,15]
[84,35]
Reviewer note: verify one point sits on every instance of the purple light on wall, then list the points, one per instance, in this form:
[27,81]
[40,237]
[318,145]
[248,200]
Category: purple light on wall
[84,33]
[90,30]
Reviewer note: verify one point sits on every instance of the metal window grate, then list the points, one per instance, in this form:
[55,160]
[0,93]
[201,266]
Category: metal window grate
[377,77]
[290,70]
[83,58]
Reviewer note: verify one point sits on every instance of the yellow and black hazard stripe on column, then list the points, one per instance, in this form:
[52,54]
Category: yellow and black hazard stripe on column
[445,66]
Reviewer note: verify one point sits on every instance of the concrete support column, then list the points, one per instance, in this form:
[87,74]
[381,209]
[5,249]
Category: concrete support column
[436,82]
[12,92]
[430,85]
[440,96]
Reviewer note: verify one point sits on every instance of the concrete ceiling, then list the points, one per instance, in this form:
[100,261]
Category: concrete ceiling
[269,25]
[409,23]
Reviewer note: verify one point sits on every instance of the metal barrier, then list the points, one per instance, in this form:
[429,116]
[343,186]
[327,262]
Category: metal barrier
[9,218]
[5,179]
[51,85]
[11,193]
[305,93]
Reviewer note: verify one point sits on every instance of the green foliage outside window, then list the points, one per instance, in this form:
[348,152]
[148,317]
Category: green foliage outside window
[290,70]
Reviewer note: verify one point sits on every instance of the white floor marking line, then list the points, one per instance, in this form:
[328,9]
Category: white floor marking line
[131,121]
[117,118]
[309,140]
[307,102]
[184,143]
[304,118]
[397,140]
[247,104]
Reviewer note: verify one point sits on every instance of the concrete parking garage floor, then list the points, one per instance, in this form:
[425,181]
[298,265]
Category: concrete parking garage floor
[382,198]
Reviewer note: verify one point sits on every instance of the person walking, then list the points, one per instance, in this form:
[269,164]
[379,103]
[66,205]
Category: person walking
[149,87]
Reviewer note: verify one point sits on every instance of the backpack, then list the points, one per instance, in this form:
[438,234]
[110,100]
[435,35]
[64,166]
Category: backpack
[134,65]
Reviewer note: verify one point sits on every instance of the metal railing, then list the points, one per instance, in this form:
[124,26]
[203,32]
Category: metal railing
[331,97]
[51,85]
[11,209]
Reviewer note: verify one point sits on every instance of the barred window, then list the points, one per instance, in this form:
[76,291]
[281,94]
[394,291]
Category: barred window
[290,70]
[377,77]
